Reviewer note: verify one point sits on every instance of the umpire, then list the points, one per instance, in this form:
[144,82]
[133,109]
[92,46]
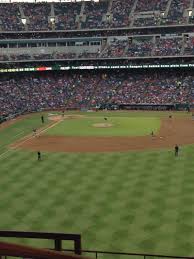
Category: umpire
[39,155]
[176,150]
[42,119]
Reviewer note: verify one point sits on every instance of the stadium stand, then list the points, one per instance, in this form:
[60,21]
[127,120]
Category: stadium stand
[98,48]
[37,16]
[10,18]
[120,13]
[92,15]
[153,5]
[65,15]
[83,90]
[177,11]
[168,46]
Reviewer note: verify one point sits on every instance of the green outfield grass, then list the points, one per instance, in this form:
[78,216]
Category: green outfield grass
[121,126]
[134,202]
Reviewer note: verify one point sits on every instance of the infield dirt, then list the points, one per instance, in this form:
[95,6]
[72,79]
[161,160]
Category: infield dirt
[173,131]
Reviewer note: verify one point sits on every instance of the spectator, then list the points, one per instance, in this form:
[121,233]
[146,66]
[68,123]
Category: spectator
[33,92]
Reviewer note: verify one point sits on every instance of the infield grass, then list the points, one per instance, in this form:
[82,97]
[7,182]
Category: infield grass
[134,201]
[121,126]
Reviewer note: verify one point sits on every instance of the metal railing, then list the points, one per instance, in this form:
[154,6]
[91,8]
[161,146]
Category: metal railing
[110,254]
[56,237]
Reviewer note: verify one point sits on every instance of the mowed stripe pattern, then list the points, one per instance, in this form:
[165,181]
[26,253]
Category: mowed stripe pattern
[137,202]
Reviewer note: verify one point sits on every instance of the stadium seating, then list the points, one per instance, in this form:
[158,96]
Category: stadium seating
[95,12]
[10,18]
[32,92]
[177,11]
[168,46]
[37,16]
[120,13]
[151,5]
[92,15]
[113,47]
[66,14]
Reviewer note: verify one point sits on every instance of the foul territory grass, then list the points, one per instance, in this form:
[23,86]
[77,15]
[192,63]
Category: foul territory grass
[121,126]
[134,202]
[20,129]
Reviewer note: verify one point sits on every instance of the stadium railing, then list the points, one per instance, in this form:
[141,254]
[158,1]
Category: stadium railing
[8,250]
[56,237]
[110,254]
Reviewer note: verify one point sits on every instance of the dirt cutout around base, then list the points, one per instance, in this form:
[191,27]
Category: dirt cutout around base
[173,131]
[102,125]
[55,117]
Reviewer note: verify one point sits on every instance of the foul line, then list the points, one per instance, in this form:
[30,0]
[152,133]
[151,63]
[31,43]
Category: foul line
[13,138]
[31,137]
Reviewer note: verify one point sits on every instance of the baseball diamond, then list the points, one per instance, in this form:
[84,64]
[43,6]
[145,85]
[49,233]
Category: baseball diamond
[131,187]
[80,137]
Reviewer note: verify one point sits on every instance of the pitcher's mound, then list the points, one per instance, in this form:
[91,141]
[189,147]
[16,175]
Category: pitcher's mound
[102,125]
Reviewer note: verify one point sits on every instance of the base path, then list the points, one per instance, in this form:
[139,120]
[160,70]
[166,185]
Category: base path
[173,131]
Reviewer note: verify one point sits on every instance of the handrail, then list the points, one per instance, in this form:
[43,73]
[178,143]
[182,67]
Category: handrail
[39,235]
[56,237]
[7,249]
[96,252]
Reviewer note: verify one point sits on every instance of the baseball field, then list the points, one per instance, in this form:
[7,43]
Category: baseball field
[102,175]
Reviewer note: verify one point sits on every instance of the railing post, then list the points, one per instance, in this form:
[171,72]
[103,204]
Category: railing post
[77,246]
[58,245]
[96,255]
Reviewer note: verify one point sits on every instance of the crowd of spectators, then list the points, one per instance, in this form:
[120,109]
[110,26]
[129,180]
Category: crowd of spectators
[176,12]
[37,16]
[133,47]
[155,89]
[87,89]
[104,14]
[95,13]
[121,47]
[120,13]
[10,18]
[66,14]
[144,47]
[140,48]
[151,5]
[115,48]
[168,46]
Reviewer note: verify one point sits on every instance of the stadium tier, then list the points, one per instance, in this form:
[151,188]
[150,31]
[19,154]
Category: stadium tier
[34,92]
[134,47]
[92,15]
